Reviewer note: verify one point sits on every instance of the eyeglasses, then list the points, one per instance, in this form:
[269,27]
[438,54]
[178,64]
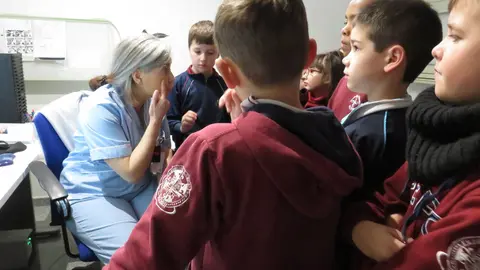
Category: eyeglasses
[312,71]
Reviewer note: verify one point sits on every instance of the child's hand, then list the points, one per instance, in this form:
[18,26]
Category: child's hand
[377,241]
[231,101]
[394,221]
[188,120]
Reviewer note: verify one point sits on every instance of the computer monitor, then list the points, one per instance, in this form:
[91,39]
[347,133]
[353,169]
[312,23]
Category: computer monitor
[13,102]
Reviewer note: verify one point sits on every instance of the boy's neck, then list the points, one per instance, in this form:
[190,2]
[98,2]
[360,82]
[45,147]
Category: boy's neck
[286,94]
[206,74]
[388,92]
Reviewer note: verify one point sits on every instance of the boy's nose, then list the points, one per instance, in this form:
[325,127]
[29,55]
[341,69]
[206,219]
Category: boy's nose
[345,31]
[346,60]
[437,52]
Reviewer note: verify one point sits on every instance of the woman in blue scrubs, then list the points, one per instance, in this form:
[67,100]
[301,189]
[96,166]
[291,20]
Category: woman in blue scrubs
[107,175]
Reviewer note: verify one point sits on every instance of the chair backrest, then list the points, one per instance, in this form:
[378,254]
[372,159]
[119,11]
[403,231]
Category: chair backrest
[57,137]
[54,149]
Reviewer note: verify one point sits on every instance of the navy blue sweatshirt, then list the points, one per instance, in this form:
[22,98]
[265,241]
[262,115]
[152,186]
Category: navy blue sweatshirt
[379,133]
[195,92]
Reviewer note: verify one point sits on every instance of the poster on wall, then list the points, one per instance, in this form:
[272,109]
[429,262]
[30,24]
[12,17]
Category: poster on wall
[19,41]
[16,36]
[34,39]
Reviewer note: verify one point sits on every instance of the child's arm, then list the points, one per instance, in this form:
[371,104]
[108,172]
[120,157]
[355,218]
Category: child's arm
[380,209]
[174,114]
[182,216]
[453,242]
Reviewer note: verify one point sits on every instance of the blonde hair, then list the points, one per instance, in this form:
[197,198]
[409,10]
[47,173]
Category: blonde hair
[144,53]
[267,39]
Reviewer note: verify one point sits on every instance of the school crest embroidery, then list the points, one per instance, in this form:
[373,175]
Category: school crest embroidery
[174,189]
[462,254]
[354,102]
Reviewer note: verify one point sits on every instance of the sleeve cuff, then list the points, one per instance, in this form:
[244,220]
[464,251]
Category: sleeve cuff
[110,152]
[176,127]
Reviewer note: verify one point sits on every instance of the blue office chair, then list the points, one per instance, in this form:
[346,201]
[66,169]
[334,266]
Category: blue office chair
[55,152]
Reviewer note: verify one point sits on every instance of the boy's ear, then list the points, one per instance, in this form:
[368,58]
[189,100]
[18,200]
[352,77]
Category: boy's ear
[395,57]
[312,52]
[229,72]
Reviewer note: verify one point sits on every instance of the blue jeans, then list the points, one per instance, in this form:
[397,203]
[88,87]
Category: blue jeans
[104,223]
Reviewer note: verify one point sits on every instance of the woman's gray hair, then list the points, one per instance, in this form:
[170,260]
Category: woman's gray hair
[144,53]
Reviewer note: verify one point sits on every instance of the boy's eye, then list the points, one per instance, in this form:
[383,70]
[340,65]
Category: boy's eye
[454,37]
[354,48]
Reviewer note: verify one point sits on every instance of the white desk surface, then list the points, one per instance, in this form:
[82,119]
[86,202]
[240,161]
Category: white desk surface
[11,176]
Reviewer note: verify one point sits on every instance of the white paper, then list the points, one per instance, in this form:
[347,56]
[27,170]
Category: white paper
[49,39]
[16,37]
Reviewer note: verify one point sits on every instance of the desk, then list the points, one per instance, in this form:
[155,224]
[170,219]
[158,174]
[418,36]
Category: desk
[16,205]
[11,176]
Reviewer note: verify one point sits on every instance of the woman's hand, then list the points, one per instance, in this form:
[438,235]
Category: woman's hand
[159,105]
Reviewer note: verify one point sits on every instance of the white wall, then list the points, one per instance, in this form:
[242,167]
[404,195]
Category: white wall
[173,17]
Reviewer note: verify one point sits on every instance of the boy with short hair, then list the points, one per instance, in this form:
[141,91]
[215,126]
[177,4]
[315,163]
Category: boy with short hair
[382,66]
[265,191]
[343,100]
[195,95]
[435,221]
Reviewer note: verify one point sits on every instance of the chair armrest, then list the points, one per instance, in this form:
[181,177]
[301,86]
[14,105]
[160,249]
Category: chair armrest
[48,181]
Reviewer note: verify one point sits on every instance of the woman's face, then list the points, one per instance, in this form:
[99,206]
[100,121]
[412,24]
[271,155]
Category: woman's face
[153,79]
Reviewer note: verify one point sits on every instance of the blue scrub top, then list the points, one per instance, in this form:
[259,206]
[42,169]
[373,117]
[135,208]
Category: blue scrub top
[107,128]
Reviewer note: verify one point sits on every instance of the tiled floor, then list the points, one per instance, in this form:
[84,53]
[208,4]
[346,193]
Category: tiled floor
[51,250]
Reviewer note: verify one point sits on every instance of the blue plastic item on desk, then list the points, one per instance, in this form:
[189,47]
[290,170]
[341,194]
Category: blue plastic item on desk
[6,159]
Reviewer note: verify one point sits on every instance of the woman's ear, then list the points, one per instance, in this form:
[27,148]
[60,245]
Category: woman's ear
[137,77]
[229,72]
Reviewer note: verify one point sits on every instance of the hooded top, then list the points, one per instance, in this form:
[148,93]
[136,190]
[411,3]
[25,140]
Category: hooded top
[261,193]
[437,191]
